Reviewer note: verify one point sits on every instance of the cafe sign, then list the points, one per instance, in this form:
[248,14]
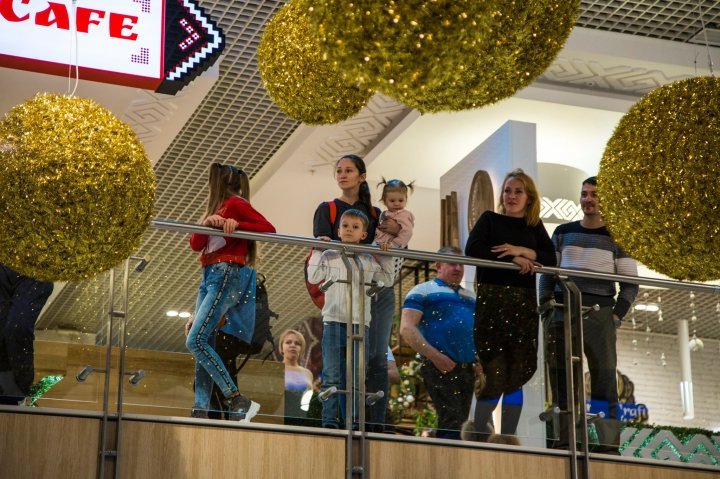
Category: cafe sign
[158,45]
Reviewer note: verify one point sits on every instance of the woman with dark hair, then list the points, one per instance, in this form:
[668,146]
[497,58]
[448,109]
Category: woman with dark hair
[351,176]
[506,319]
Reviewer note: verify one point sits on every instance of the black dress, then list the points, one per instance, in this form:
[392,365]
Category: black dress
[506,321]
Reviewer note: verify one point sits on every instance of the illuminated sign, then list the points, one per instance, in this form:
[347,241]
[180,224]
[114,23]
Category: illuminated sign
[158,45]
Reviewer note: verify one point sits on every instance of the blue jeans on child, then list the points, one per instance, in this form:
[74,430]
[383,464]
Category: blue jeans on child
[221,288]
[334,348]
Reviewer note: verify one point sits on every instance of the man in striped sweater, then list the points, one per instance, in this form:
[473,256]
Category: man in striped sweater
[587,245]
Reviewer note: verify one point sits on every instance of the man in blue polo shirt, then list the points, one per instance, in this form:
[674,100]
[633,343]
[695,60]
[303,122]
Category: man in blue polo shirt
[437,321]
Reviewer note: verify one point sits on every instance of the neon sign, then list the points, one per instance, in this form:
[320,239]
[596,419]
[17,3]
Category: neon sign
[158,45]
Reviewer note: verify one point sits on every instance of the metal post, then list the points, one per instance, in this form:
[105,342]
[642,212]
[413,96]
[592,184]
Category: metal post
[570,367]
[360,399]
[577,308]
[106,391]
[348,364]
[121,364]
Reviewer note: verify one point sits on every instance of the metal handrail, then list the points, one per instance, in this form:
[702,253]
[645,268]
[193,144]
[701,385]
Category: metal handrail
[184,227]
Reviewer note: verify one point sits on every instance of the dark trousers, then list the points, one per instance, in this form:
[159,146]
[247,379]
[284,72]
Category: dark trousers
[599,339]
[21,300]
[382,309]
[451,394]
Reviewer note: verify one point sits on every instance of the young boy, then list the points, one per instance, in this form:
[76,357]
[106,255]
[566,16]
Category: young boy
[329,264]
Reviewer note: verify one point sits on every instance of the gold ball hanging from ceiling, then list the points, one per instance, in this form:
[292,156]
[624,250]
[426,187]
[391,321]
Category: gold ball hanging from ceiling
[658,180]
[76,189]
[303,83]
[443,55]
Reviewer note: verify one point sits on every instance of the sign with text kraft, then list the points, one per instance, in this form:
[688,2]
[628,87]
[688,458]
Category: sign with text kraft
[158,45]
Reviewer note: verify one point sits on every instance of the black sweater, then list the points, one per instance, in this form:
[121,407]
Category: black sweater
[493,229]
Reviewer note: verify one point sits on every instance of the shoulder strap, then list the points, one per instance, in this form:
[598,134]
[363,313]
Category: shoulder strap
[333,211]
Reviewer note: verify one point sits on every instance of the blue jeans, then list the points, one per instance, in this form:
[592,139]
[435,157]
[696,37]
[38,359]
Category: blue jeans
[334,348]
[219,290]
[382,312]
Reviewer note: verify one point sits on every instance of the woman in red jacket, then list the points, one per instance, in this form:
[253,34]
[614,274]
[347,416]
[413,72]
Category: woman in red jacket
[228,280]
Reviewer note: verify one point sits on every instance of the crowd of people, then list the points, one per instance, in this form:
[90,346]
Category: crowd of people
[479,344]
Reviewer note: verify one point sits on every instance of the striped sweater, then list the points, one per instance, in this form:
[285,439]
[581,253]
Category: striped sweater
[577,247]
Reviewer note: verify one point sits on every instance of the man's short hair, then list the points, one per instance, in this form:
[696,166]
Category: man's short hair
[591,181]
[450,250]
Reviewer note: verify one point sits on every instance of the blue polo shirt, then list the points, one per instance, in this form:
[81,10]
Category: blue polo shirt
[447,318]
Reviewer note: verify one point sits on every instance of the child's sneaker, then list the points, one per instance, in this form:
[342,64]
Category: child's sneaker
[240,408]
[196,413]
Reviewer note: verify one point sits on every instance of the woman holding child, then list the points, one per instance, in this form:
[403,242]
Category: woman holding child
[351,176]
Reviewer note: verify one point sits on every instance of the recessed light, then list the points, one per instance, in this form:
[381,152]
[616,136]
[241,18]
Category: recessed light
[172,313]
[650,307]
[184,314]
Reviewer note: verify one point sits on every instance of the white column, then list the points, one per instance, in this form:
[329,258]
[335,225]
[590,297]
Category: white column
[686,386]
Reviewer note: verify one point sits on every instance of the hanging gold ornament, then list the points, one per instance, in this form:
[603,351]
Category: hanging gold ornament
[76,189]
[303,83]
[443,55]
[658,180]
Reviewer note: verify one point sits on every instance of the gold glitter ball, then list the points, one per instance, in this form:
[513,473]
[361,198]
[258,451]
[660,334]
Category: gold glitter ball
[658,180]
[76,189]
[298,76]
[443,55]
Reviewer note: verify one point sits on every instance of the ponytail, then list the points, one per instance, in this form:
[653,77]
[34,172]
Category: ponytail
[365,199]
[226,181]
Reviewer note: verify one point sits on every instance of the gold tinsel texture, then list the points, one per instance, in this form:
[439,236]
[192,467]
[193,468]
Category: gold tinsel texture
[658,180]
[443,55]
[299,80]
[76,189]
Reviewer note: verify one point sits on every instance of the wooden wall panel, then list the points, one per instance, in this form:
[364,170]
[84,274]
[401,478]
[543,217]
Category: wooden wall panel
[156,450]
[637,471]
[389,459]
[34,446]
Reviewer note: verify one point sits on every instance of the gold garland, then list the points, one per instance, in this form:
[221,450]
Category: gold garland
[76,189]
[436,55]
[658,180]
[298,78]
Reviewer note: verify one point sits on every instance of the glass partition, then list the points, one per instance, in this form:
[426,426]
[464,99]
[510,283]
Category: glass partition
[70,346]
[667,357]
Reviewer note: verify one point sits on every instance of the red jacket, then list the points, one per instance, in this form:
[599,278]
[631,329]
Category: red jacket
[235,249]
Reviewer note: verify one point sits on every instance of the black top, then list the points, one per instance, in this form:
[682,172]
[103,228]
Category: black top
[493,229]
[322,226]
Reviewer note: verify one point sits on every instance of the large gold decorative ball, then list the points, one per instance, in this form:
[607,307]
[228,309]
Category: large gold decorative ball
[76,189]
[443,55]
[658,180]
[299,79]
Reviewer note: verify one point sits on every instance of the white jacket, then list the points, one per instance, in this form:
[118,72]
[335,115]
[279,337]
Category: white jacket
[328,264]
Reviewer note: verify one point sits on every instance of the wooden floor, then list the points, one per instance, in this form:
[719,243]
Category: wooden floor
[34,445]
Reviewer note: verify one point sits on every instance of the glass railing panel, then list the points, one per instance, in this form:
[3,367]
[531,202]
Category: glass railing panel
[668,376]
[70,346]
[159,307]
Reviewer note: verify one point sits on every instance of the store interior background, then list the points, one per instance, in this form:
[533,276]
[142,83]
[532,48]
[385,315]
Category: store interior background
[606,66]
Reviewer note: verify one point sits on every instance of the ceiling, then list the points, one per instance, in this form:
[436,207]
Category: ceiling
[236,121]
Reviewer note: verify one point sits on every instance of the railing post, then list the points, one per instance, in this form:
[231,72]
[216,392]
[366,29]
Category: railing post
[349,377]
[574,363]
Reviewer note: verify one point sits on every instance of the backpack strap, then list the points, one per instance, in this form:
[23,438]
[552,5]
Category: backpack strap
[333,211]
